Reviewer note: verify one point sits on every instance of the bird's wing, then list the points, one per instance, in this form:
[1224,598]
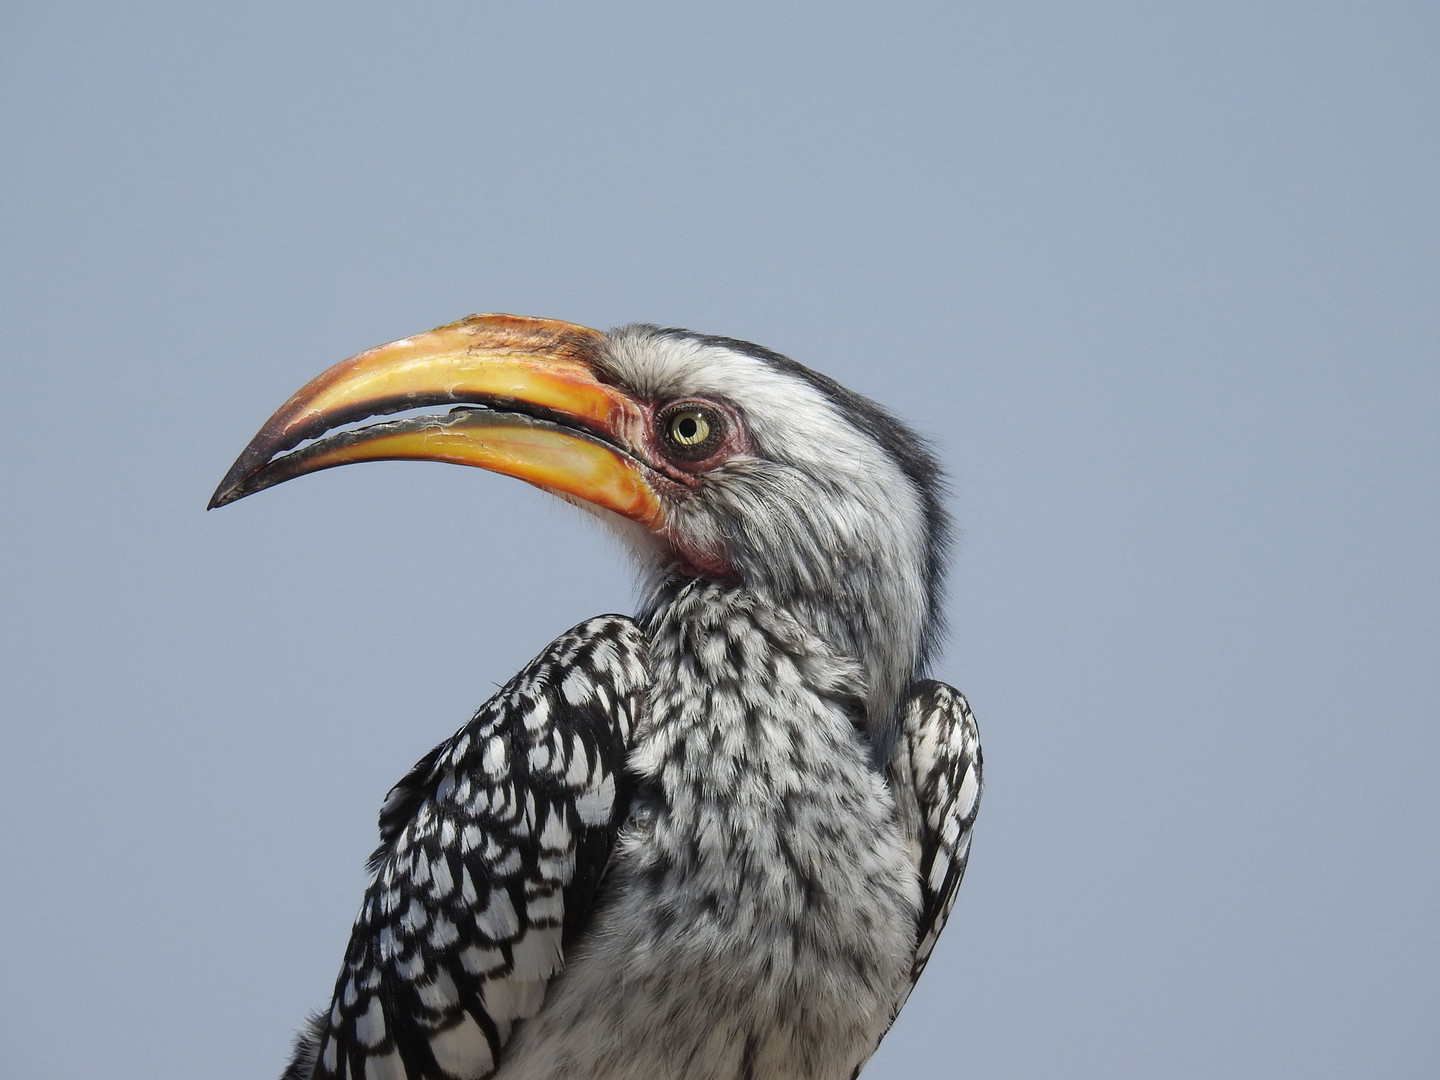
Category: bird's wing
[935,775]
[492,850]
[938,764]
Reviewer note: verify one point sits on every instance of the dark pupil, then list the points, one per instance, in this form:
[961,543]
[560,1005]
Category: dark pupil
[688,428]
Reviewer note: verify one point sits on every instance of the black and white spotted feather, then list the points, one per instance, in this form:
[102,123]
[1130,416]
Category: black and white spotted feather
[936,775]
[941,752]
[492,850]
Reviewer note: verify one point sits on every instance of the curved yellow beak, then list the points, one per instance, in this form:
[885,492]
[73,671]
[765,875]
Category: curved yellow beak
[532,406]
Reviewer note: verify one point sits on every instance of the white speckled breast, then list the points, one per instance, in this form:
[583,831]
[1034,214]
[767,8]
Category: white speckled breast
[759,917]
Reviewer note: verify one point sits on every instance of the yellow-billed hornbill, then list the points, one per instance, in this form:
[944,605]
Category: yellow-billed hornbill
[716,841]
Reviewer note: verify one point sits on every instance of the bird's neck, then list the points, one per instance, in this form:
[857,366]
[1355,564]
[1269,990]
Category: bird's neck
[876,670]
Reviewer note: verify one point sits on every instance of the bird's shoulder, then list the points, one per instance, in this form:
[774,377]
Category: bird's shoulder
[575,683]
[492,850]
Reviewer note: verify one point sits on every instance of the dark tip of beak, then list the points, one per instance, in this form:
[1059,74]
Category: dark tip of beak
[233,486]
[221,497]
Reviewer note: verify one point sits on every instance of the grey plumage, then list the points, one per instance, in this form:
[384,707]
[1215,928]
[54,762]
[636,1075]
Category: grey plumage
[716,842]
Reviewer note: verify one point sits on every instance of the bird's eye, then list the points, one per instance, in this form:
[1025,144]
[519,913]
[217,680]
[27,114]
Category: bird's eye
[689,427]
[692,432]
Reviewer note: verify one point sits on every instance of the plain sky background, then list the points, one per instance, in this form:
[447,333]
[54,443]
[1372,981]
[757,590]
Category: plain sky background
[1162,282]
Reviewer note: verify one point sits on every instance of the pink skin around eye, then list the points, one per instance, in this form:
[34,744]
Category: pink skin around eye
[735,440]
[690,476]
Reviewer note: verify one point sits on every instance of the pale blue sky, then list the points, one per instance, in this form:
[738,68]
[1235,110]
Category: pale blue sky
[1161,281]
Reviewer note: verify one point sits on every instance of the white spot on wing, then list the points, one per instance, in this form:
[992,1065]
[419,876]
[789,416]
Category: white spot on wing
[443,933]
[969,789]
[412,968]
[539,715]
[496,759]
[385,1067]
[507,864]
[370,1027]
[576,687]
[547,909]
[498,920]
[938,872]
[441,994]
[555,836]
[580,768]
[415,916]
[478,961]
[462,1050]
[444,884]
[595,805]
[537,954]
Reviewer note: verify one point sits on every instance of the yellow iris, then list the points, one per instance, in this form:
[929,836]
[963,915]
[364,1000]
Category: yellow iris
[689,427]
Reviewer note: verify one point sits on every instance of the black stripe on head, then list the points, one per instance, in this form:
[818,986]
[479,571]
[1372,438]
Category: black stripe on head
[907,448]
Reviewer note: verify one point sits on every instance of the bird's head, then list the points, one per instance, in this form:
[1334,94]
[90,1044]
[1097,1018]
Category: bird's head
[714,458]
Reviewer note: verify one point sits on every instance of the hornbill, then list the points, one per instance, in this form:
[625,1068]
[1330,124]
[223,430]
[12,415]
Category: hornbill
[715,841]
